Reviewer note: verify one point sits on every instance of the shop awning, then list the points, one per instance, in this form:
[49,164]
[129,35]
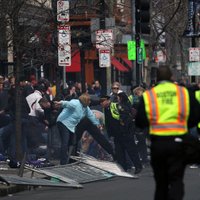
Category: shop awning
[119,66]
[128,62]
[76,62]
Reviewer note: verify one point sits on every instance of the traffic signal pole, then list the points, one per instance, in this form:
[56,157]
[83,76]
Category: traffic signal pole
[142,18]
[131,45]
[137,39]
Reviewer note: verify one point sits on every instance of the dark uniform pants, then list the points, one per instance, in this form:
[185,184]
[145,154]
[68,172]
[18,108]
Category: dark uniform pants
[126,144]
[167,160]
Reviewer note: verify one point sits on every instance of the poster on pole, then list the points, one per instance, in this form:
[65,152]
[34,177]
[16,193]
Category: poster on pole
[104,58]
[62,11]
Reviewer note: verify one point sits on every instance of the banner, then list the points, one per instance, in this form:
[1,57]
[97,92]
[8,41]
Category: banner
[193,25]
[190,25]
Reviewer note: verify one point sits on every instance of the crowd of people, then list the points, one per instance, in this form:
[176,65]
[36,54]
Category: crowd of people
[65,123]
[120,126]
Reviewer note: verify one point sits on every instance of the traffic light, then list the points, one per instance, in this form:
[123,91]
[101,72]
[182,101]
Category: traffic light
[144,7]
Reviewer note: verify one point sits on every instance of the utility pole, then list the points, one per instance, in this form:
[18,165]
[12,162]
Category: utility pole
[103,69]
[193,45]
[82,57]
[55,45]
[193,41]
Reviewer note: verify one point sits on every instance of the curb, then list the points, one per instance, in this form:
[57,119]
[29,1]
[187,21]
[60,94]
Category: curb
[9,190]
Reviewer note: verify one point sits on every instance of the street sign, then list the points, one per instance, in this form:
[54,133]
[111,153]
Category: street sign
[139,55]
[104,39]
[194,54]
[104,58]
[62,11]
[64,55]
[142,45]
[64,45]
[95,25]
[194,69]
[64,35]
[131,50]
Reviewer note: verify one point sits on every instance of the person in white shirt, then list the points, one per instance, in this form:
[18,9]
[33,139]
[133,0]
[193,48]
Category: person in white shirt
[35,125]
[33,102]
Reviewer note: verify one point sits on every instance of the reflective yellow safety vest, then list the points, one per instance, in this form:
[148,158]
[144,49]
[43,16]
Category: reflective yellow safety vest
[167,109]
[130,98]
[197,96]
[114,110]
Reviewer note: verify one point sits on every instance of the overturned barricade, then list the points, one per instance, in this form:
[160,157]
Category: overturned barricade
[85,169]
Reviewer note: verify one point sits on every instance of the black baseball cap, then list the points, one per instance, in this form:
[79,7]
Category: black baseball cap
[104,97]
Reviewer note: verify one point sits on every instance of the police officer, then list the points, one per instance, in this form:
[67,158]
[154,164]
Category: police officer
[168,110]
[118,126]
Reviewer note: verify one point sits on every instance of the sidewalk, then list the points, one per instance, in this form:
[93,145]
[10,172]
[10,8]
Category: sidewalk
[10,189]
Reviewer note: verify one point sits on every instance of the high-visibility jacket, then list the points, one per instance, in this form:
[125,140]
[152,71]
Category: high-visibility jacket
[114,110]
[167,109]
[197,96]
[133,99]
[122,113]
[130,98]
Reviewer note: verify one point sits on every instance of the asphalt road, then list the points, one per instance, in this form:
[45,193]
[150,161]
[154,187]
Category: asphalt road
[113,189]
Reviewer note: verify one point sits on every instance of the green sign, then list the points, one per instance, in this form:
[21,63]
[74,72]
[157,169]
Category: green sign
[142,45]
[131,50]
[139,55]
